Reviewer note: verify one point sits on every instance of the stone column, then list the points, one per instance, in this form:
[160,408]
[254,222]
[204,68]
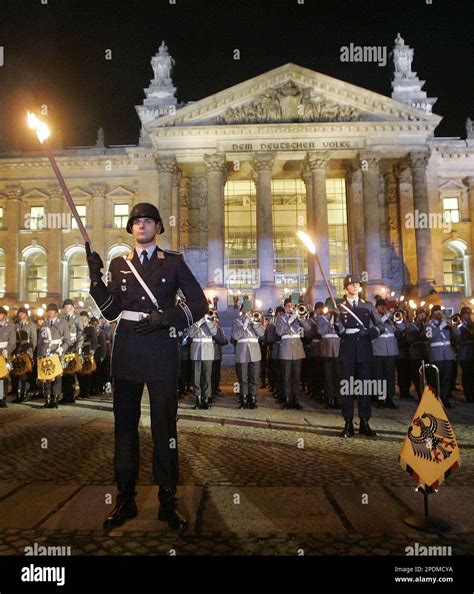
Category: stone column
[424,254]
[470,184]
[166,167]
[318,163]
[355,216]
[373,253]
[267,291]
[216,178]
[97,217]
[55,246]
[176,217]
[12,251]
[407,232]
[307,177]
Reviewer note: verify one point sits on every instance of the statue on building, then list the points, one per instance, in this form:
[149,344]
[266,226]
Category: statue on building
[162,65]
[100,142]
[469,131]
[402,59]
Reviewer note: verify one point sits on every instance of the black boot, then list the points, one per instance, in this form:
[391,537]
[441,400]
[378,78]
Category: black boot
[125,508]
[168,512]
[253,402]
[205,404]
[3,403]
[243,401]
[54,402]
[18,396]
[295,403]
[348,430]
[364,428]
[47,404]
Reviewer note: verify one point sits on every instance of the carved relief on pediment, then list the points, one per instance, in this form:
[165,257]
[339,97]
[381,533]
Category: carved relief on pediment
[289,103]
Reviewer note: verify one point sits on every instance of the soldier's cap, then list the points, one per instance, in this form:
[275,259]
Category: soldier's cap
[420,310]
[84,313]
[380,302]
[436,308]
[93,320]
[350,279]
[279,309]
[318,304]
[144,210]
[287,300]
[466,310]
[3,310]
[68,302]
[52,307]
[22,310]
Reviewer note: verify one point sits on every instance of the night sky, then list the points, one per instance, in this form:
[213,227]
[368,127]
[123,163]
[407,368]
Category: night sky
[54,54]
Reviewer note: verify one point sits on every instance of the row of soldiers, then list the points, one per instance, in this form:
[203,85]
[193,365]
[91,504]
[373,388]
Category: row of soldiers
[300,350]
[61,334]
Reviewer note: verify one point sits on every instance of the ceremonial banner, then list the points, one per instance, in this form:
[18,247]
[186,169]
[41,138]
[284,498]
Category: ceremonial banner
[430,452]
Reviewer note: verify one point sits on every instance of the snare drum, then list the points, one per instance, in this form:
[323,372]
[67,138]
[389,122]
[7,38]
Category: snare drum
[88,364]
[72,363]
[21,364]
[49,368]
[4,367]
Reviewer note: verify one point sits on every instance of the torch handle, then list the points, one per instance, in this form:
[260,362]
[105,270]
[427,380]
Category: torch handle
[328,286]
[67,195]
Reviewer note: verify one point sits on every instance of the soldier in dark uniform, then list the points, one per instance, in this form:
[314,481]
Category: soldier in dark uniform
[7,346]
[358,324]
[403,361]
[88,347]
[145,351]
[466,353]
[418,346]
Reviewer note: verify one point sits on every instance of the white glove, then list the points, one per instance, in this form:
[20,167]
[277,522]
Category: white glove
[79,352]
[292,318]
[5,353]
[59,351]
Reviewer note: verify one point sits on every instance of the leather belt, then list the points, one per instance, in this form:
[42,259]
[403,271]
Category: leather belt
[316,340]
[352,330]
[248,340]
[291,336]
[203,339]
[134,316]
[331,336]
[437,344]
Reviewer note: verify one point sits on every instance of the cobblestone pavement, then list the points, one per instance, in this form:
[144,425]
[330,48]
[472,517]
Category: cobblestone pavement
[253,482]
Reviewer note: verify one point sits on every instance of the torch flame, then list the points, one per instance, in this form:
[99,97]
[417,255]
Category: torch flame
[412,304]
[41,129]
[307,241]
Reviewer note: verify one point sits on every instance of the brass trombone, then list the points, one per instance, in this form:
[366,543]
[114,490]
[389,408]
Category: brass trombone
[399,316]
[455,320]
[257,317]
[302,310]
[212,316]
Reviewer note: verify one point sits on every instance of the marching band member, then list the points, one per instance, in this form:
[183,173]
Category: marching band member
[246,331]
[26,343]
[73,321]
[403,362]
[291,352]
[7,346]
[466,353]
[440,337]
[202,356]
[274,341]
[329,352]
[53,339]
[357,325]
[313,364]
[89,346]
[385,351]
[418,346]
[219,340]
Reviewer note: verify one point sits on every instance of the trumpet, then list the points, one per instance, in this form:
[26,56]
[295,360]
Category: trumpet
[399,316]
[302,310]
[212,316]
[455,320]
[257,317]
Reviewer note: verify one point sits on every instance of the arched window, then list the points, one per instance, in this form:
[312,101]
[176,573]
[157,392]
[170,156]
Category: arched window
[2,273]
[77,273]
[36,273]
[454,269]
[115,251]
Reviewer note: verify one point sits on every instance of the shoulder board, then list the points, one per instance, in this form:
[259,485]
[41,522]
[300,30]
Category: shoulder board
[172,252]
[129,256]
[362,301]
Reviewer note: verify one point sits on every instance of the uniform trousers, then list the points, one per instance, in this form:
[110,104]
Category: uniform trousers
[248,374]
[467,379]
[384,369]
[202,379]
[290,378]
[127,396]
[361,371]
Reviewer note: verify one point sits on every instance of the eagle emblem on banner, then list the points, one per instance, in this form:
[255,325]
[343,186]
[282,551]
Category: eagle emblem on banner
[430,452]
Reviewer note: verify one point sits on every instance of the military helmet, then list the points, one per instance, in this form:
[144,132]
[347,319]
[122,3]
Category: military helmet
[350,279]
[144,209]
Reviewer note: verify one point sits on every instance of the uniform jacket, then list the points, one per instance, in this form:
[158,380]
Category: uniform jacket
[466,342]
[273,339]
[90,340]
[154,356]
[357,348]
[27,337]
[330,341]
[291,346]
[386,344]
[51,338]
[401,334]
[202,346]
[75,332]
[247,349]
[417,341]
[311,333]
[439,340]
[7,337]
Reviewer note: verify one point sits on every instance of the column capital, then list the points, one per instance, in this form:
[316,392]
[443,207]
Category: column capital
[14,191]
[353,171]
[165,163]
[98,189]
[419,159]
[55,192]
[368,160]
[403,173]
[263,161]
[306,173]
[215,162]
[318,159]
[469,181]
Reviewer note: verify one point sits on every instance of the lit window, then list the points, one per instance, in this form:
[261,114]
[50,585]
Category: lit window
[37,217]
[451,209]
[36,276]
[120,216]
[81,210]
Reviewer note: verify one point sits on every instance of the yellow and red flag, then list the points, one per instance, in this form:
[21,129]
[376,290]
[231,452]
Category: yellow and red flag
[430,452]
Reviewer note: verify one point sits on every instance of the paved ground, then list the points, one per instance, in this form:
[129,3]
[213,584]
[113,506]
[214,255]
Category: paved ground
[257,482]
